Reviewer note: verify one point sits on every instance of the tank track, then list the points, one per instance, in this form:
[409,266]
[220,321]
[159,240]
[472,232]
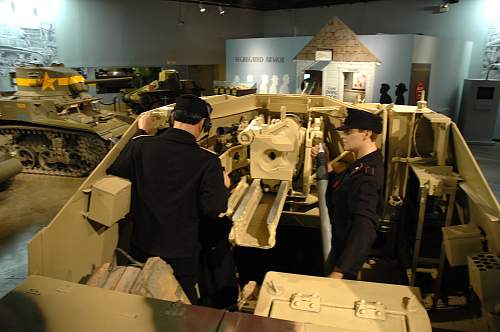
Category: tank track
[53,151]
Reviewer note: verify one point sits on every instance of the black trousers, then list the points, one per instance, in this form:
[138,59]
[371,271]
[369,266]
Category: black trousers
[218,284]
[186,271]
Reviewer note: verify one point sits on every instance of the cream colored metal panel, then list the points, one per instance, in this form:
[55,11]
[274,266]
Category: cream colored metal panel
[469,169]
[480,195]
[35,254]
[109,200]
[233,106]
[344,304]
[50,305]
[461,241]
[72,246]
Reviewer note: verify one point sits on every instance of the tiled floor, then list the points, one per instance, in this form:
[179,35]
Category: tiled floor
[28,204]
[488,157]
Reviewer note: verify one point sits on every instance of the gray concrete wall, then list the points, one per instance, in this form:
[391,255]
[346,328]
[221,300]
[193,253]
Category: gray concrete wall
[395,66]
[277,61]
[97,33]
[465,21]
[124,33]
[449,61]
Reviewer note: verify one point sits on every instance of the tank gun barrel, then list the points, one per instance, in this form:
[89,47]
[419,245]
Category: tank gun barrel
[102,80]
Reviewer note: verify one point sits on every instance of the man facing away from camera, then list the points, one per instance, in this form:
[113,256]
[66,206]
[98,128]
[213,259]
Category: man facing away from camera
[178,190]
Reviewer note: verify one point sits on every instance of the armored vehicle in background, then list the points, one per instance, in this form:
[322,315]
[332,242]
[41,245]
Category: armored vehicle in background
[107,83]
[53,125]
[160,92]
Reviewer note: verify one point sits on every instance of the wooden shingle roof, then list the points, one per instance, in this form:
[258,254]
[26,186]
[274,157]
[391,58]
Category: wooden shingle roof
[343,42]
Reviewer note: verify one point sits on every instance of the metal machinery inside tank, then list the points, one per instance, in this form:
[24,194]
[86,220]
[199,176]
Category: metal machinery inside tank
[264,143]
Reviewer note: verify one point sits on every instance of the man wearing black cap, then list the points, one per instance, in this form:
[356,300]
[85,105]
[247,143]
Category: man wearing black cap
[354,196]
[177,186]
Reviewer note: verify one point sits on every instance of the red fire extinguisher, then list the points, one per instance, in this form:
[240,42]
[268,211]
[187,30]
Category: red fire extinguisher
[419,90]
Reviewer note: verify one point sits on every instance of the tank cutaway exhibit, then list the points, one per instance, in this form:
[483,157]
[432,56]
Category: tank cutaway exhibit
[264,142]
[54,126]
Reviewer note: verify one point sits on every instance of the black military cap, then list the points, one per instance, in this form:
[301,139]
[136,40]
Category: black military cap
[358,119]
[193,105]
[402,86]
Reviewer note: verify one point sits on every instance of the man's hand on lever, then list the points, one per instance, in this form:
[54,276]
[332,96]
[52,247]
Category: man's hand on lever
[315,152]
[333,165]
[336,275]
[146,122]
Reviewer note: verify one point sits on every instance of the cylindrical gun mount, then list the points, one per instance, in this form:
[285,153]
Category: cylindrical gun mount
[220,131]
[9,168]
[326,228]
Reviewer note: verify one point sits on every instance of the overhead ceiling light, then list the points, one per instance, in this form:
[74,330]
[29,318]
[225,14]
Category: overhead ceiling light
[202,8]
[444,8]
[221,10]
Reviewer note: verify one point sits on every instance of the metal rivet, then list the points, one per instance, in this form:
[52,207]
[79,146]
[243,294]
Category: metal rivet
[378,313]
[296,303]
[362,311]
[312,305]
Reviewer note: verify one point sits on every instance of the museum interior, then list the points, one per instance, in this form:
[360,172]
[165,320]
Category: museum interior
[358,140]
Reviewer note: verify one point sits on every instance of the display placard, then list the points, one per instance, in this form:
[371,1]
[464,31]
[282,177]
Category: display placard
[323,55]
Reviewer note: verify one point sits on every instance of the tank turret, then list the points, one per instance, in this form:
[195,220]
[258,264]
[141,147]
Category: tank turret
[160,92]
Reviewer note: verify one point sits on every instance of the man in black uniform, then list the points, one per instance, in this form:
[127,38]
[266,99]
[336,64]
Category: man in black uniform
[355,195]
[176,187]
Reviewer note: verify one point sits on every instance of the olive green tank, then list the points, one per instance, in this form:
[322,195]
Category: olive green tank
[53,125]
[160,92]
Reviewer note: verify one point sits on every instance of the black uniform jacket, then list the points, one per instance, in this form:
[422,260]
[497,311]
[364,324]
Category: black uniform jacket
[175,185]
[354,199]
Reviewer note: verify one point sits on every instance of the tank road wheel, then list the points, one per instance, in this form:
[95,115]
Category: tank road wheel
[46,161]
[77,165]
[26,157]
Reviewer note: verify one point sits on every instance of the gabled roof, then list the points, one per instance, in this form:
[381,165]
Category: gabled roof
[343,42]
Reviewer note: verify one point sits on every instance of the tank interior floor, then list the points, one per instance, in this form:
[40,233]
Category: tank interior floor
[31,201]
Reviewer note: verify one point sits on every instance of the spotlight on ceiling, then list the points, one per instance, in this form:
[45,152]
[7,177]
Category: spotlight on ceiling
[444,8]
[202,8]
[221,10]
